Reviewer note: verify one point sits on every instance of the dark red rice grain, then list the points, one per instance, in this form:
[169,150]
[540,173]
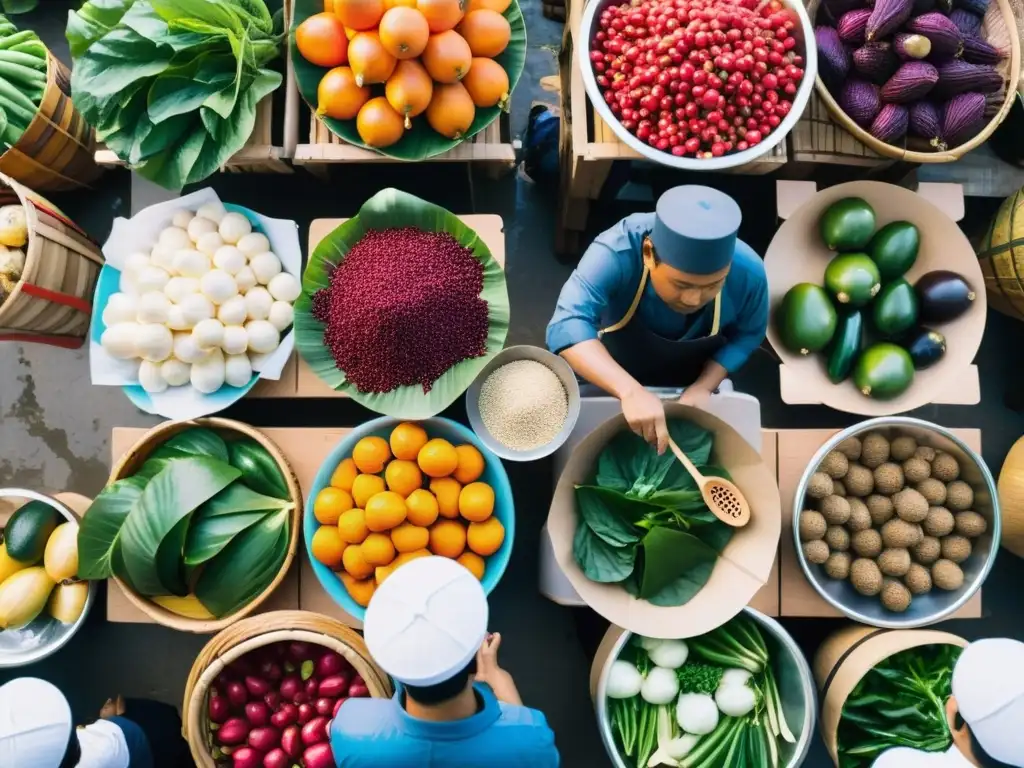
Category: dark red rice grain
[402,308]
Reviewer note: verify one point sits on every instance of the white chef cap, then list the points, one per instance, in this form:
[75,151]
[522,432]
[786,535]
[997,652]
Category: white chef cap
[35,724]
[988,683]
[905,757]
[427,621]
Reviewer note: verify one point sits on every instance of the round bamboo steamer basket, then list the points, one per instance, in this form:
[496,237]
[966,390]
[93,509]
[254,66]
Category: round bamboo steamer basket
[57,149]
[130,463]
[1011,498]
[255,632]
[999,29]
[850,653]
[52,302]
[1001,257]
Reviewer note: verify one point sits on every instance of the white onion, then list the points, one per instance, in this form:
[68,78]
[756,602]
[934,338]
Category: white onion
[229,259]
[178,288]
[245,279]
[233,311]
[121,341]
[200,226]
[154,342]
[237,371]
[218,286]
[263,337]
[235,341]
[153,307]
[150,378]
[209,243]
[212,211]
[121,308]
[233,227]
[281,315]
[191,263]
[284,287]
[258,302]
[265,266]
[254,243]
[175,372]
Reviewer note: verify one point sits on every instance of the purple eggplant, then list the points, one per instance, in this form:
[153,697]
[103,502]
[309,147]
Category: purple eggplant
[911,82]
[968,23]
[943,296]
[886,17]
[891,123]
[860,100]
[963,117]
[853,26]
[875,61]
[833,58]
[978,51]
[925,122]
[946,39]
[959,77]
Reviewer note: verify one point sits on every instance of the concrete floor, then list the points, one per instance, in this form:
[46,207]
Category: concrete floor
[56,427]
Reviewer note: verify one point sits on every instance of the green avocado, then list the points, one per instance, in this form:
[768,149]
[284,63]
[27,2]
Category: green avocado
[845,346]
[895,308]
[847,224]
[28,529]
[884,371]
[894,249]
[853,279]
[806,319]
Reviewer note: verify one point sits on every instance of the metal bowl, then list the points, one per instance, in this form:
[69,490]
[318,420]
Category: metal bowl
[559,367]
[803,32]
[44,636]
[937,604]
[792,673]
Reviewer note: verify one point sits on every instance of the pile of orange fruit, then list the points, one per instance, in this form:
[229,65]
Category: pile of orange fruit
[432,57]
[395,500]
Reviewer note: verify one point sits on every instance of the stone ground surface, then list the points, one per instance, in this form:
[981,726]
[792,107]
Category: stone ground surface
[56,427]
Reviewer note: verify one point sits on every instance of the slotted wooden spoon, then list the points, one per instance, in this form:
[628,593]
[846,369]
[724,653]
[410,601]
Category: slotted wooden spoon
[723,498]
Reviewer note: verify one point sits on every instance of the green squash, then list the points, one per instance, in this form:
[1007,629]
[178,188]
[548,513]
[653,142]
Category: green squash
[806,319]
[853,279]
[845,347]
[895,308]
[884,371]
[847,224]
[894,249]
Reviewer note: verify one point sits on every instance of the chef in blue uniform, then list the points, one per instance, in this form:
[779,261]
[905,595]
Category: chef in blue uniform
[664,299]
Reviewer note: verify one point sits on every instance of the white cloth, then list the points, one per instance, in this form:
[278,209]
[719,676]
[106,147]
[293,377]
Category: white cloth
[988,683]
[904,757]
[103,746]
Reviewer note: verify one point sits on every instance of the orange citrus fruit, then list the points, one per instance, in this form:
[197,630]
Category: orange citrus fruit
[403,477]
[352,526]
[486,31]
[365,486]
[327,546]
[486,538]
[446,489]
[494,5]
[476,502]
[441,14]
[403,32]
[421,507]
[408,537]
[355,563]
[360,590]
[474,563]
[384,511]
[377,549]
[371,454]
[407,439]
[322,41]
[438,458]
[329,505]
[471,464]
[359,14]
[447,538]
[338,96]
[388,4]
[345,475]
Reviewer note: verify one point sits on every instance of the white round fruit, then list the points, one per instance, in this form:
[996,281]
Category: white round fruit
[229,258]
[245,279]
[263,337]
[236,340]
[284,287]
[121,341]
[152,279]
[178,288]
[265,266]
[182,218]
[212,211]
[128,283]
[154,307]
[209,243]
[176,319]
[136,261]
[200,226]
[175,372]
[186,349]
[174,238]
[258,302]
[253,244]
[154,342]
[150,378]
[232,311]
[233,227]
[191,263]
[208,376]
[197,308]
[121,308]
[218,286]
[164,258]
[208,334]
[281,315]
[237,370]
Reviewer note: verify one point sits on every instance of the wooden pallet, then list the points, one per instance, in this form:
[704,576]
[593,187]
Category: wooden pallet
[817,139]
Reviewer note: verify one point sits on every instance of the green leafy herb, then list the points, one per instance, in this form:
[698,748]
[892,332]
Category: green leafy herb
[171,86]
[677,566]
[696,677]
[100,530]
[598,559]
[223,517]
[259,470]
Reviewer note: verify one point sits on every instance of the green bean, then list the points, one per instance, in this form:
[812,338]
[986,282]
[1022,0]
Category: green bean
[16,103]
[32,48]
[17,74]
[24,59]
[18,38]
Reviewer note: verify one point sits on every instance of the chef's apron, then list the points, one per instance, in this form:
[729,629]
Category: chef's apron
[653,360]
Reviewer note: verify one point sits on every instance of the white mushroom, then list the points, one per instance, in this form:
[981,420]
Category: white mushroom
[281,315]
[153,307]
[258,302]
[178,288]
[245,279]
[136,261]
[208,376]
[154,342]
[175,238]
[254,244]
[208,334]
[121,340]
[163,257]
[196,308]
[235,341]
[200,226]
[237,370]
[263,337]
[175,372]
[152,279]
[218,286]
[182,218]
[233,311]
[121,308]
[186,349]
[209,243]
[229,258]
[284,287]
[150,378]
[191,263]
[176,319]
[233,227]
[265,266]
[212,211]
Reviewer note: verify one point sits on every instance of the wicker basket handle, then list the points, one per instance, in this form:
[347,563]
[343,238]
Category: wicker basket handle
[56,297]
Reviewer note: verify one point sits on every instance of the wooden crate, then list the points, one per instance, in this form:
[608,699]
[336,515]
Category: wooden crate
[816,139]
[260,154]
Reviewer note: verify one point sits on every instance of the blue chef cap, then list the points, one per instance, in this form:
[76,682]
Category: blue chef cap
[695,229]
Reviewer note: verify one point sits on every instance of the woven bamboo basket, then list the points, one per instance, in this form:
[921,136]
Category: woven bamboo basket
[56,152]
[52,302]
[255,632]
[1000,30]
[130,463]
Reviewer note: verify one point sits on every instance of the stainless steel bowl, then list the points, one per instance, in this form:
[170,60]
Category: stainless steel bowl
[803,32]
[44,636]
[558,366]
[792,673]
[937,604]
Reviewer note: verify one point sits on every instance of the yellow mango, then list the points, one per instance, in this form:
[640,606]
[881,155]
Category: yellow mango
[23,597]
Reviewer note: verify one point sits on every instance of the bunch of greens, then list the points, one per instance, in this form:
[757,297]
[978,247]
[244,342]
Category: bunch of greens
[643,522]
[22,80]
[201,516]
[171,86]
[901,702]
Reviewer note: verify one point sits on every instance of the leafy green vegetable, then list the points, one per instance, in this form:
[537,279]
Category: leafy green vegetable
[696,677]
[100,530]
[901,702]
[599,560]
[677,566]
[259,470]
[610,515]
[171,86]
[224,516]
[197,441]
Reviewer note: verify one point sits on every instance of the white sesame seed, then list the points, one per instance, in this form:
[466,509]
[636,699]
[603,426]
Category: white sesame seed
[523,405]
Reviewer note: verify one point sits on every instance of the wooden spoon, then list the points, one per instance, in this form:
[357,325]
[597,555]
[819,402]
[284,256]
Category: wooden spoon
[723,498]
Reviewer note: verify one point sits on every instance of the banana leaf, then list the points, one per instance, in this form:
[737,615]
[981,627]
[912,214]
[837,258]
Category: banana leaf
[421,142]
[393,208]
[100,530]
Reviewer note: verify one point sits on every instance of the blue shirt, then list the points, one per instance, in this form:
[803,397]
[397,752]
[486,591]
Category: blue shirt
[381,734]
[599,292]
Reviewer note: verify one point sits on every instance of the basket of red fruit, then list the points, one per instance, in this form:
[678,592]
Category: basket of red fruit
[698,84]
[263,692]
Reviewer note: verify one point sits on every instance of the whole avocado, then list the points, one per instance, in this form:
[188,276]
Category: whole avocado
[28,529]
[895,308]
[894,249]
[806,319]
[853,279]
[847,224]
[884,371]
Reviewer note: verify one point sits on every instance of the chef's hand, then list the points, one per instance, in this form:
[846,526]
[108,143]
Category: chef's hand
[488,671]
[696,396]
[645,414]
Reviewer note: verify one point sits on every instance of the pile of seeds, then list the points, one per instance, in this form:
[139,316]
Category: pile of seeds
[523,405]
[402,308]
[892,517]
